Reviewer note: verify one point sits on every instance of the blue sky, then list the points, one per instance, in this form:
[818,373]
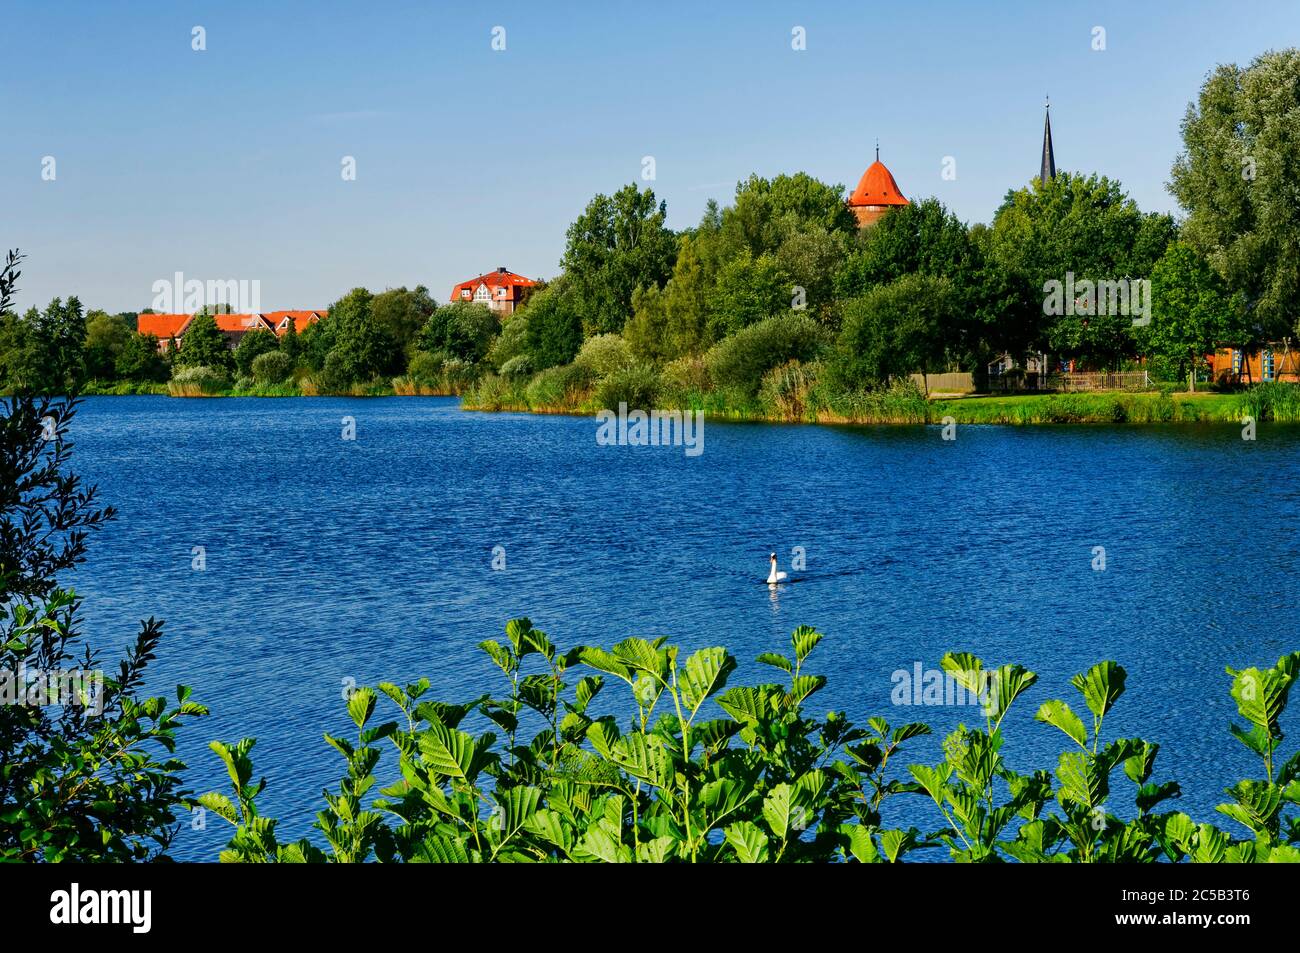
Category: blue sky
[225,163]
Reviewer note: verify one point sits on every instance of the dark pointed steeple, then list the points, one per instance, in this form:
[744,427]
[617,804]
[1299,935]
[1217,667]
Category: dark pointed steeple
[1048,171]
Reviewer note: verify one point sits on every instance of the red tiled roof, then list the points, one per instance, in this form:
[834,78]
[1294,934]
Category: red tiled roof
[162,326]
[241,322]
[300,319]
[877,187]
[493,279]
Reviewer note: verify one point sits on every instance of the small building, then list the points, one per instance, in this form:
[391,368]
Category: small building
[500,290]
[1006,373]
[1277,361]
[876,194]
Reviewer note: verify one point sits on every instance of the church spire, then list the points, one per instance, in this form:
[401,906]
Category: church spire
[1048,171]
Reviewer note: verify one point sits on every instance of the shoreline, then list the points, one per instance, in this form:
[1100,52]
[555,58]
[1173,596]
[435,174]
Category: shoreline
[1106,407]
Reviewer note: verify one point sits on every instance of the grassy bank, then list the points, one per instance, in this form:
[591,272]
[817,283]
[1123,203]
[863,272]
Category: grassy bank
[1276,402]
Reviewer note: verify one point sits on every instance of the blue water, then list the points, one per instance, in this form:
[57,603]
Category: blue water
[329,560]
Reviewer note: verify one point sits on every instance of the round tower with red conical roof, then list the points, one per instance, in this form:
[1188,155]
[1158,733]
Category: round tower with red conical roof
[876,194]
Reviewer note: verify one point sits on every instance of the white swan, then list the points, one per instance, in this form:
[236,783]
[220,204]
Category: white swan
[774,576]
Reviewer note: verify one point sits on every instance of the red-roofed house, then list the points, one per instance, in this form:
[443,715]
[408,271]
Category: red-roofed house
[172,327]
[235,326]
[163,326]
[299,319]
[500,290]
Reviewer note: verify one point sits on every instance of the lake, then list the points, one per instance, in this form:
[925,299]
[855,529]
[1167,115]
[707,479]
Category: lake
[329,560]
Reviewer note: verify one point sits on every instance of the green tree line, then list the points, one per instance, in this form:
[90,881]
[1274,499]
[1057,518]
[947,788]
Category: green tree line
[779,293]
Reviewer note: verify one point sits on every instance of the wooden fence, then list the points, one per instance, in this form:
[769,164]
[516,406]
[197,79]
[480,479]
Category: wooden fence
[960,382]
[1105,380]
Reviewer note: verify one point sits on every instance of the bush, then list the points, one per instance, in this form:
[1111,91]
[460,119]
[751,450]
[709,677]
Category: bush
[564,386]
[458,374]
[604,354]
[251,346]
[243,383]
[494,392]
[686,374]
[272,367]
[511,342]
[425,367]
[638,386]
[751,773]
[685,382]
[740,361]
[517,366]
[463,329]
[198,380]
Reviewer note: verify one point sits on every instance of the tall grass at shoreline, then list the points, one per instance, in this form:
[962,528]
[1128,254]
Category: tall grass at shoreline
[794,393]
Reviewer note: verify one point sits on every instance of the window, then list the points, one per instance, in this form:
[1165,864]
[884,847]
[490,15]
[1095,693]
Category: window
[1268,364]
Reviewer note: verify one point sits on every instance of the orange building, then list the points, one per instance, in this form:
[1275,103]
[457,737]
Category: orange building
[876,194]
[1275,362]
[163,326]
[500,290]
[172,327]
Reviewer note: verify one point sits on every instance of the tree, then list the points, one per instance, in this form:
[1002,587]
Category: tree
[745,291]
[647,331]
[106,336]
[1192,311]
[462,329]
[402,314]
[251,346]
[62,332]
[617,245]
[686,303]
[669,323]
[203,345]
[812,257]
[768,212]
[44,350]
[1236,177]
[362,350]
[291,344]
[82,779]
[925,238]
[139,360]
[896,329]
[1073,228]
[554,330]
[315,342]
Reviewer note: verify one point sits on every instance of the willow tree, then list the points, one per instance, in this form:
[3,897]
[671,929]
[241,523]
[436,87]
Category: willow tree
[1236,177]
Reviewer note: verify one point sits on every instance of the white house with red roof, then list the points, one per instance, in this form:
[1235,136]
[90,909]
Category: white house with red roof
[500,290]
